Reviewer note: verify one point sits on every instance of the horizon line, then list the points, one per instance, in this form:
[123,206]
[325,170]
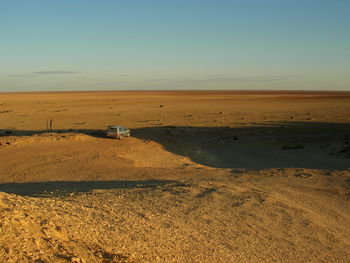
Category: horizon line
[184,90]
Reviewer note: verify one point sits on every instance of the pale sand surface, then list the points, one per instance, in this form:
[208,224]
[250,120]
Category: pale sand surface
[206,177]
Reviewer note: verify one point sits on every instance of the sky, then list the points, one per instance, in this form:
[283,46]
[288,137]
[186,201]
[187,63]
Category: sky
[50,45]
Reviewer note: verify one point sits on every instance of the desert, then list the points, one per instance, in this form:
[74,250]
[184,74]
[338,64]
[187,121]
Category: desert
[206,176]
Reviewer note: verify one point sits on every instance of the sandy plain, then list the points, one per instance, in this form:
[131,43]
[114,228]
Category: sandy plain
[224,176]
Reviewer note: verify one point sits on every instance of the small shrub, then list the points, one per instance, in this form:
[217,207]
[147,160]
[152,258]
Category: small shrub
[293,147]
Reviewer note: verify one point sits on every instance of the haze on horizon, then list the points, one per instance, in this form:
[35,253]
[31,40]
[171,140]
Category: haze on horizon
[185,44]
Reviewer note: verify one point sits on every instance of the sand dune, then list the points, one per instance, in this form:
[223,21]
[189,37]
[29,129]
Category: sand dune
[207,177]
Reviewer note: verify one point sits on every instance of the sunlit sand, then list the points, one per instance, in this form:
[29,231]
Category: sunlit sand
[205,177]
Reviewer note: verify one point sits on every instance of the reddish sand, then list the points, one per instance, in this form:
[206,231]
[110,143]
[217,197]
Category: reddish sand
[207,176]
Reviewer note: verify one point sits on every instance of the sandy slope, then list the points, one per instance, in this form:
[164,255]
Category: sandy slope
[264,216]
[208,177]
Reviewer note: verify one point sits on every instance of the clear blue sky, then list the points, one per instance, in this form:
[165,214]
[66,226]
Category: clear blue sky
[174,44]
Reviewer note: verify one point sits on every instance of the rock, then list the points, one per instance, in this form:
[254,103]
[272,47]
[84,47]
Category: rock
[302,175]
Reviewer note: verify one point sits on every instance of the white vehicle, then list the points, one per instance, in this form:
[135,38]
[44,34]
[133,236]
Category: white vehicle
[117,132]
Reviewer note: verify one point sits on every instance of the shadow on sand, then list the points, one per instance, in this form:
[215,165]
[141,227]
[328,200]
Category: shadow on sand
[263,145]
[46,189]
[267,145]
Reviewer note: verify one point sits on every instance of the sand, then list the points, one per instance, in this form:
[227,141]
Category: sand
[206,177]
